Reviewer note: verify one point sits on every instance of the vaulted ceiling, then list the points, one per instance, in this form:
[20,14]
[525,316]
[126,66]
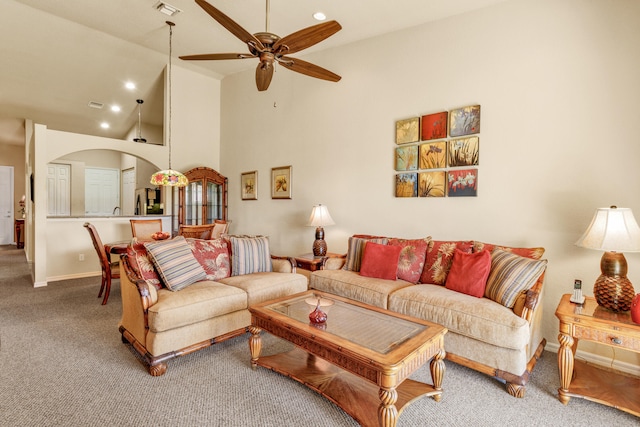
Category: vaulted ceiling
[57,56]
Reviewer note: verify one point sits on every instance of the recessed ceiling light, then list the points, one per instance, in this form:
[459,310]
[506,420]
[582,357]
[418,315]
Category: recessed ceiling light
[319,16]
[115,108]
[104,125]
[167,9]
[130,85]
[96,104]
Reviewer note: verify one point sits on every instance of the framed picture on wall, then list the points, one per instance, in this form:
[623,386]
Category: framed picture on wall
[464,152]
[462,183]
[433,155]
[249,185]
[407,185]
[432,184]
[281,182]
[434,126]
[408,130]
[464,121]
[407,158]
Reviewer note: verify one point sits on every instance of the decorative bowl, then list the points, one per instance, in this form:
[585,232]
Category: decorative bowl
[160,235]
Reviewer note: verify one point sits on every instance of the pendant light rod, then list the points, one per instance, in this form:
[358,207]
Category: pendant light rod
[139,138]
[171,25]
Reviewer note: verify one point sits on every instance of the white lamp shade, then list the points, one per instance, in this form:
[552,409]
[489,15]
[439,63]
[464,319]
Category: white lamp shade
[613,230]
[320,217]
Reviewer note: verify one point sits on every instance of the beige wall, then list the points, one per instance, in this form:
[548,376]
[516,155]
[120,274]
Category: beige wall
[557,82]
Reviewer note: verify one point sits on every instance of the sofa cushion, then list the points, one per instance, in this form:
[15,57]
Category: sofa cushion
[355,250]
[261,287]
[438,261]
[250,255]
[350,284]
[469,273]
[200,301]
[142,265]
[213,256]
[534,253]
[478,318]
[175,263]
[380,261]
[510,275]
[412,257]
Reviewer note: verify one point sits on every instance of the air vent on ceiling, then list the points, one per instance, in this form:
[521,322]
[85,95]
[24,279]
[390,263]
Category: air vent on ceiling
[94,104]
[167,9]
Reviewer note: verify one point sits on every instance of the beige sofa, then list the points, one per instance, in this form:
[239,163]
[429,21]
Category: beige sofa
[485,335]
[162,324]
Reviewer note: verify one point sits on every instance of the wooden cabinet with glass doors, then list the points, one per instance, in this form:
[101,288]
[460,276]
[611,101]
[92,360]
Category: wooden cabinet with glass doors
[204,199]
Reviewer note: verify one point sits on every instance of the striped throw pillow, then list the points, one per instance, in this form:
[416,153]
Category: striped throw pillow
[250,255]
[510,275]
[175,263]
[356,249]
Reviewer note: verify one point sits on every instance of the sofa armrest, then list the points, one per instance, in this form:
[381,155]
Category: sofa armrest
[532,299]
[283,264]
[333,262]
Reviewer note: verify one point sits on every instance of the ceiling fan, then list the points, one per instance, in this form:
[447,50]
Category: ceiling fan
[270,48]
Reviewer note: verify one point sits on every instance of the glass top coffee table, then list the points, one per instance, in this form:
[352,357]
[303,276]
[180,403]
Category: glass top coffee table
[360,358]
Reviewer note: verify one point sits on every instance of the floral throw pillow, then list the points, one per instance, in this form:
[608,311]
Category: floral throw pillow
[140,262]
[213,256]
[413,254]
[439,258]
[533,253]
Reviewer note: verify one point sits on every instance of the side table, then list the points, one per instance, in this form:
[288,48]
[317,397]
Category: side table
[308,263]
[591,322]
[19,233]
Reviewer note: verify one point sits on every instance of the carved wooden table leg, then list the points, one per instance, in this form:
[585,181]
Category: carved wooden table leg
[437,372]
[565,365]
[387,412]
[255,345]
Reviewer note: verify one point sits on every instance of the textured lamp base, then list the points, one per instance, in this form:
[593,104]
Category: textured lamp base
[319,245]
[613,290]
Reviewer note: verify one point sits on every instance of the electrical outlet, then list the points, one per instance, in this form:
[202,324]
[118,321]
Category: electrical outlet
[81,257]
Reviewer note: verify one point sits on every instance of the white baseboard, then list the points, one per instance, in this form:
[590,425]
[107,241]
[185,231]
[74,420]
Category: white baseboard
[603,361]
[72,276]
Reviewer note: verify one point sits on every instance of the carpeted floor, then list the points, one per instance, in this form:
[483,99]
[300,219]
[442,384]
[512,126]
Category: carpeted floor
[62,363]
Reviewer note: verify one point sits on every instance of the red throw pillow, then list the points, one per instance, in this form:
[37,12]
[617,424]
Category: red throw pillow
[412,257]
[469,273]
[380,261]
[439,257]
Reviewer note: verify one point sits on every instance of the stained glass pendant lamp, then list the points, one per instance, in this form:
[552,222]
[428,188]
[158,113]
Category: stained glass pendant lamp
[169,177]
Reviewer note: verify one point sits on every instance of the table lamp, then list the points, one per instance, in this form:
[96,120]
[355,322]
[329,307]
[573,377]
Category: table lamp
[319,218]
[613,230]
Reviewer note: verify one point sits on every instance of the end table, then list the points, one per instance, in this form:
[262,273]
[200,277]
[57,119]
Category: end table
[308,263]
[591,322]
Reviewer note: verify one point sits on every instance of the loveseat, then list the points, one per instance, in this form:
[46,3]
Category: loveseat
[487,296]
[184,294]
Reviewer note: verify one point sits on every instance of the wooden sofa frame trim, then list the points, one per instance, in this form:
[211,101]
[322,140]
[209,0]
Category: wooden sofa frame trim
[515,384]
[157,365]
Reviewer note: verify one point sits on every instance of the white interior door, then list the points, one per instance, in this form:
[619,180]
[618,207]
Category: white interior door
[58,189]
[128,191]
[6,205]
[101,191]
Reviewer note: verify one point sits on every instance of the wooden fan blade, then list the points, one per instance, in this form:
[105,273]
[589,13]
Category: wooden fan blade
[216,56]
[309,69]
[306,37]
[230,24]
[264,73]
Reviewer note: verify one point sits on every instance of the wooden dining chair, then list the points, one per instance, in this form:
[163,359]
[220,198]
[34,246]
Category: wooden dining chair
[110,270]
[196,231]
[144,228]
[220,227]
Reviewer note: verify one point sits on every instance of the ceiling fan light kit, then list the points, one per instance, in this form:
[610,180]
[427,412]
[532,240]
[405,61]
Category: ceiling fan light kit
[270,48]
